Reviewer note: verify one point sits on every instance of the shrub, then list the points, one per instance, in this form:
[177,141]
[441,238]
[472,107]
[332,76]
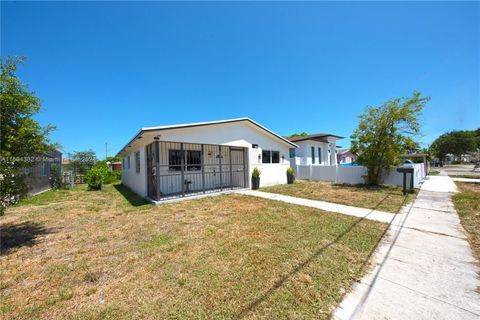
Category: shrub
[92,177]
[256,173]
[290,171]
[56,179]
[112,176]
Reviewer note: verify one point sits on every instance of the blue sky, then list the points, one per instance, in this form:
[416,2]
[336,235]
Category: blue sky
[104,70]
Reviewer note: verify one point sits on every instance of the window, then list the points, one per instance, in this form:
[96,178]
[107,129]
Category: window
[194,160]
[319,155]
[292,152]
[313,155]
[266,156]
[44,169]
[128,162]
[270,156]
[174,160]
[137,162]
[275,157]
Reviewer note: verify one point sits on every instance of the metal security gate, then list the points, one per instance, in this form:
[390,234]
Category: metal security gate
[178,169]
[152,170]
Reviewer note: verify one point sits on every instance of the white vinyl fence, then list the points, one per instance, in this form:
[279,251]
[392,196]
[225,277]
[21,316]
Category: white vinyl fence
[356,174]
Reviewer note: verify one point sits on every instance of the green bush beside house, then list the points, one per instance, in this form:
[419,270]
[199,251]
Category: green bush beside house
[101,172]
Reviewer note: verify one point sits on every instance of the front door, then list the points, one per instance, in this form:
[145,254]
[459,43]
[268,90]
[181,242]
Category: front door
[238,167]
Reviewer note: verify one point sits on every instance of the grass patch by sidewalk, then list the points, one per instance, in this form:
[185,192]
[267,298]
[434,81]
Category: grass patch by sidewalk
[99,255]
[467,203]
[434,173]
[384,198]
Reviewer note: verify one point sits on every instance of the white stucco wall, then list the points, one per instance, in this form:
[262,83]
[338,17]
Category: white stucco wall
[356,174]
[241,134]
[136,181]
[351,174]
[395,178]
[303,154]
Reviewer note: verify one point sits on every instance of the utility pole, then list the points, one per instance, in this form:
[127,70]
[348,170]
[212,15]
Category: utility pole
[106,150]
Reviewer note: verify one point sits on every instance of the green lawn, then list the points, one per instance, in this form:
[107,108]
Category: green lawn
[109,255]
[384,198]
[467,203]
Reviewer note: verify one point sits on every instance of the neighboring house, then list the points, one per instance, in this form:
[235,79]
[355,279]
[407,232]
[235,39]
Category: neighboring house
[180,160]
[38,175]
[345,156]
[116,166]
[465,158]
[314,149]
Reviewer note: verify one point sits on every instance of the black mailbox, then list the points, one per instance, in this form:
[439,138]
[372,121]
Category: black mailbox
[406,168]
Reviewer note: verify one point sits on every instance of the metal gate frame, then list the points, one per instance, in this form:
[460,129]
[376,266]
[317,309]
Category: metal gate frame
[184,178]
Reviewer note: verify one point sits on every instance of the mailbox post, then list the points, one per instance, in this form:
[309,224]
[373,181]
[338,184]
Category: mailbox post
[406,168]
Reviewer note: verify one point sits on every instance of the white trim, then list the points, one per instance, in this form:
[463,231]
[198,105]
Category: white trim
[195,124]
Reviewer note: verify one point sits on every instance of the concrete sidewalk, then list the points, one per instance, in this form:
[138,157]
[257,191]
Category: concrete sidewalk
[370,214]
[424,269]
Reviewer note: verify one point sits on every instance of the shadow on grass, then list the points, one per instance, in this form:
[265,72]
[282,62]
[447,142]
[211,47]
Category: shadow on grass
[132,198]
[279,283]
[25,234]
[366,187]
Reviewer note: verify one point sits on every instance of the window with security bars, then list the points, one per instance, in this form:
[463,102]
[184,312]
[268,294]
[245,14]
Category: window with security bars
[193,160]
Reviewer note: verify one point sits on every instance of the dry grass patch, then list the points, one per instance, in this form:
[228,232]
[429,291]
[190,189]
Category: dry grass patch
[467,203]
[97,255]
[383,198]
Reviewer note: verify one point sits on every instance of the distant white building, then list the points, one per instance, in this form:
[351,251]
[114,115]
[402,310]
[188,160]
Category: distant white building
[314,149]
[449,158]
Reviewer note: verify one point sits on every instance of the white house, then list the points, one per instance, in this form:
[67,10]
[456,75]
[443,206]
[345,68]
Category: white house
[314,149]
[180,160]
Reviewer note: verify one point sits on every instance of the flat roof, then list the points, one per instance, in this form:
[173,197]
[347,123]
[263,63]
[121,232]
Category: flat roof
[314,136]
[199,124]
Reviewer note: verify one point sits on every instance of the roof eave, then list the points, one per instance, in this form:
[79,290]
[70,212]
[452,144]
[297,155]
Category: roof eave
[198,124]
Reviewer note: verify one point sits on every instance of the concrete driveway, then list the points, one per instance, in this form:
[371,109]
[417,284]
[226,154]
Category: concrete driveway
[424,269]
[458,169]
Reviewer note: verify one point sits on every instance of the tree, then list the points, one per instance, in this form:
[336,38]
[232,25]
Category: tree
[114,159]
[23,140]
[385,132]
[477,137]
[303,134]
[456,143]
[81,161]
